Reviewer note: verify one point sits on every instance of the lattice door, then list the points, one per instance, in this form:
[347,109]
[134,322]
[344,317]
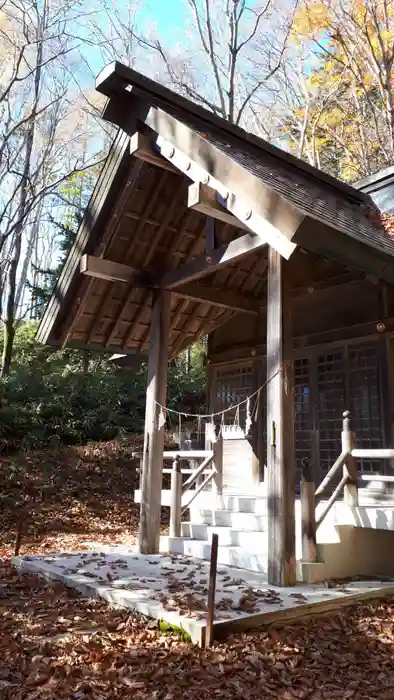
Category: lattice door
[365,403]
[233,384]
[302,411]
[331,403]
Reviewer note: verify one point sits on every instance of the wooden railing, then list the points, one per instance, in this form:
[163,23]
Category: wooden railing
[311,496]
[183,492]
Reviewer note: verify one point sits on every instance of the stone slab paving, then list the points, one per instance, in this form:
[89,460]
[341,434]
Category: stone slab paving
[174,588]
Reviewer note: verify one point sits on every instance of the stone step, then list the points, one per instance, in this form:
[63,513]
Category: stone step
[253,540]
[227,555]
[227,518]
[245,504]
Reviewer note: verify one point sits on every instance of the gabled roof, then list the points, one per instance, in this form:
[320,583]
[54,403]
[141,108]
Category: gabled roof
[139,216]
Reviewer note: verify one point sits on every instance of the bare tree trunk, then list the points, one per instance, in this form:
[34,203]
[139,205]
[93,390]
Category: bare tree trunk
[9,319]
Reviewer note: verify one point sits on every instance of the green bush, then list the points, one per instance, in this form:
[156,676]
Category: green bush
[72,397]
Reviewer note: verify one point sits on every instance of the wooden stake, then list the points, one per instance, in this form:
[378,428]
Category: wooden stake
[18,538]
[212,591]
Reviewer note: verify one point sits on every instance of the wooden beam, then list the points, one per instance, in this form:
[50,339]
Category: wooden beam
[151,478]
[228,207]
[210,236]
[280,430]
[242,190]
[225,298]
[141,147]
[205,264]
[106,269]
[270,215]
[203,199]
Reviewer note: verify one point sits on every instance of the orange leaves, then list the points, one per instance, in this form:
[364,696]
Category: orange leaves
[383,221]
[53,644]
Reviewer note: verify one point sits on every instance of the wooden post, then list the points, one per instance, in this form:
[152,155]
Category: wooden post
[176,499]
[217,447]
[151,478]
[211,590]
[280,426]
[308,514]
[350,492]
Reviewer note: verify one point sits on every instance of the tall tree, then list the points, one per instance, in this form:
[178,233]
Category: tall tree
[341,106]
[39,141]
[230,51]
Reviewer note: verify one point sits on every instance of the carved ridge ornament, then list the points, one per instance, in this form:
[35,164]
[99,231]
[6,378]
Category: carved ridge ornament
[229,201]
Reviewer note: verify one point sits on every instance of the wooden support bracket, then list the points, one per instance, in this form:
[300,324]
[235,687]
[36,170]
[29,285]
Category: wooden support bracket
[224,298]
[203,199]
[106,269]
[205,264]
[141,147]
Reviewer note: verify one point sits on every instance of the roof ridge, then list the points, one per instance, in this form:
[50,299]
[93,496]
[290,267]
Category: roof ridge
[117,77]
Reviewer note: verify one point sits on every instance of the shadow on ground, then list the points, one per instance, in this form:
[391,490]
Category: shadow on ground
[64,495]
[53,644]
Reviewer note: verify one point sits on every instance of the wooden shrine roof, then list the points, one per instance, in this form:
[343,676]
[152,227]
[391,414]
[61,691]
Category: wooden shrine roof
[143,215]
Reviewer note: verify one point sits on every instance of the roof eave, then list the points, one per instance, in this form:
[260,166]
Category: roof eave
[116,78]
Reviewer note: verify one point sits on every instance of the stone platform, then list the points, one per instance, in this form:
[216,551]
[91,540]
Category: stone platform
[173,589]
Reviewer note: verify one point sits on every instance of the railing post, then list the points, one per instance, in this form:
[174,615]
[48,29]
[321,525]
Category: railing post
[308,513]
[350,492]
[176,499]
[217,447]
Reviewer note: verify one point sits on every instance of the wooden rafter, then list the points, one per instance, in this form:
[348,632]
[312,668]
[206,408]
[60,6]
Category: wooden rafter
[132,177]
[171,259]
[205,264]
[210,235]
[131,292]
[151,252]
[189,321]
[225,298]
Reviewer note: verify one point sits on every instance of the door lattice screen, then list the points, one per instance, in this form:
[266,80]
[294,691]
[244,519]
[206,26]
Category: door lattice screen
[233,384]
[365,404]
[344,378]
[325,384]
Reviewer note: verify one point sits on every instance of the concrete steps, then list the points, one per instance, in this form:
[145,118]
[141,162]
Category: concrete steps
[252,540]
[240,521]
[228,555]
[229,518]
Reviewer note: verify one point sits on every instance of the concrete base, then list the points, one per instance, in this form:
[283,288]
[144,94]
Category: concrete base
[174,589]
[311,572]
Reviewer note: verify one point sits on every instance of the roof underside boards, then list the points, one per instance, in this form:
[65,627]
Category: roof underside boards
[138,216]
[156,232]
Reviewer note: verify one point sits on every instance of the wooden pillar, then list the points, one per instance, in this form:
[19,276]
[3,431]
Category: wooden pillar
[348,439]
[152,463]
[280,426]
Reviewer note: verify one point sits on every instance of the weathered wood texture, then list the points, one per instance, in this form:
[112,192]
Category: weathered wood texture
[151,478]
[350,467]
[212,590]
[280,428]
[308,520]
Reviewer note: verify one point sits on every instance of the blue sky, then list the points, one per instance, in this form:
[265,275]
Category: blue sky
[169,15]
[165,19]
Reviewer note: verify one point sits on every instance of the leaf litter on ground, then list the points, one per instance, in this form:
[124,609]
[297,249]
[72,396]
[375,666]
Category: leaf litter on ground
[55,645]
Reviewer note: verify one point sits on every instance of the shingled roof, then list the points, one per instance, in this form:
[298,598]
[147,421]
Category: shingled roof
[139,216]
